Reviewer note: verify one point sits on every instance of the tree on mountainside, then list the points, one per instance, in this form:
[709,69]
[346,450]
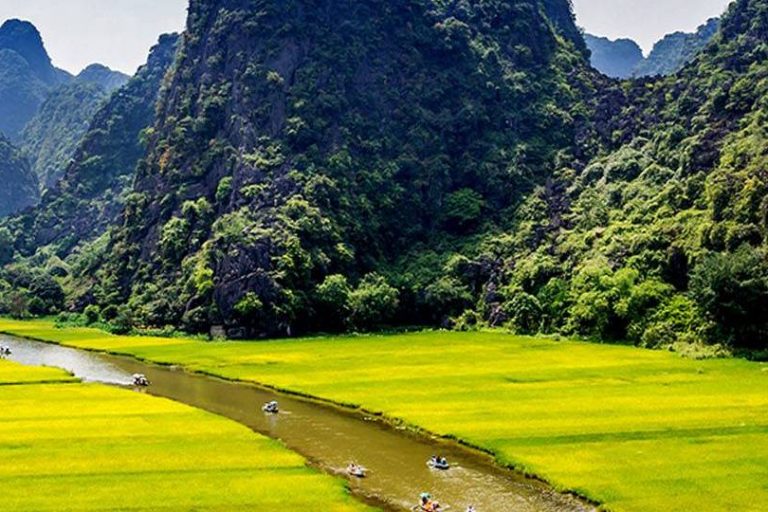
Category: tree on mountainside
[733,290]
[373,303]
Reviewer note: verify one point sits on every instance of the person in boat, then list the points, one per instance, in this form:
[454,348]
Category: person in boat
[427,504]
[356,470]
[471,508]
[438,462]
[271,407]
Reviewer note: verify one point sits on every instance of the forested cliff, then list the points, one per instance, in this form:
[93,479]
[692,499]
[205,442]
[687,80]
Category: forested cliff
[299,140]
[88,197]
[327,165]
[44,111]
[51,137]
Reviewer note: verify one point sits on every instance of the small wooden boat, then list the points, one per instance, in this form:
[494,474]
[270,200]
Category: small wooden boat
[430,507]
[356,471]
[271,407]
[438,463]
[428,504]
[140,380]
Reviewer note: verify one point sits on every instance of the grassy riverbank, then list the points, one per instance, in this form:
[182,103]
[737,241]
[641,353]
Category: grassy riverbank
[636,430]
[66,446]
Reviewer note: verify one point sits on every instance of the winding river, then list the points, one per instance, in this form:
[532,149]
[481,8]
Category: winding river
[327,436]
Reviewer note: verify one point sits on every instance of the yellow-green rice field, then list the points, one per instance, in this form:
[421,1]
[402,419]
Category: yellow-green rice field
[633,429]
[66,446]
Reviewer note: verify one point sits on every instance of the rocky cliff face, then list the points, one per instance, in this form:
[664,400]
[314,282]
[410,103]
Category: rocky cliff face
[317,164]
[298,139]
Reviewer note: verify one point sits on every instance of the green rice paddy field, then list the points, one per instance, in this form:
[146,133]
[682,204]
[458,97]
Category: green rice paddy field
[635,430]
[67,446]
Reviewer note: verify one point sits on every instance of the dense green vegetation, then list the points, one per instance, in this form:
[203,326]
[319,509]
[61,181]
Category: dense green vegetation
[50,138]
[633,429]
[326,166]
[653,223]
[278,165]
[64,235]
[73,447]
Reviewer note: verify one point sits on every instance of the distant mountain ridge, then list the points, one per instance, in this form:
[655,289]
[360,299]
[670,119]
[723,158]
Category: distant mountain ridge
[45,111]
[23,38]
[617,58]
[26,76]
[89,194]
[101,75]
[50,138]
[676,50]
[623,58]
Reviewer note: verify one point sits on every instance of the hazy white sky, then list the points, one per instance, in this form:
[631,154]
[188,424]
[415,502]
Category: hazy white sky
[119,33]
[645,21]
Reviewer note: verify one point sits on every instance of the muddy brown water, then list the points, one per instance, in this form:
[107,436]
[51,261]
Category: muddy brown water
[327,436]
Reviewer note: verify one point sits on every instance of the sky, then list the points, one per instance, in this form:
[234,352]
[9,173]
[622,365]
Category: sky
[645,21]
[116,33]
[119,33]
